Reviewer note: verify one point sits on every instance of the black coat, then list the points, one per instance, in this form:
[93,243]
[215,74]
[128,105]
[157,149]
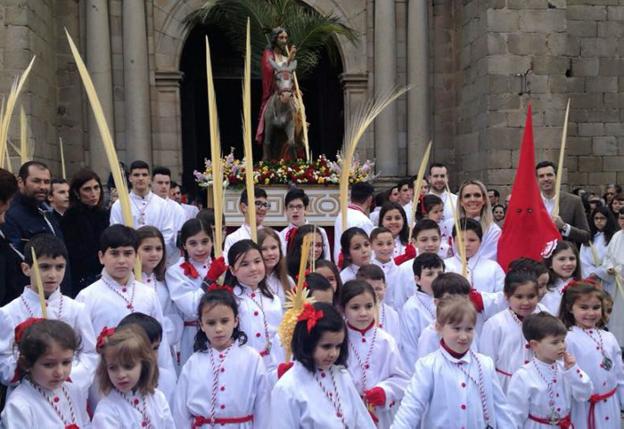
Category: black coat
[10,287]
[82,227]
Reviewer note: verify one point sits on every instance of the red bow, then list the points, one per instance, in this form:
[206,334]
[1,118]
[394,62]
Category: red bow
[21,327]
[189,270]
[283,367]
[106,332]
[311,315]
[476,299]
[217,286]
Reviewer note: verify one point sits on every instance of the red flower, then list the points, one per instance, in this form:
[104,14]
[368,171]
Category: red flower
[101,339]
[189,270]
[310,315]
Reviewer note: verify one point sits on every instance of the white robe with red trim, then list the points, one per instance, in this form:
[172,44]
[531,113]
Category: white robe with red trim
[418,313]
[114,412]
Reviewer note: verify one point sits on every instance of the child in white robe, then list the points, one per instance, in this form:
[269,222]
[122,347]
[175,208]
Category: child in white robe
[45,396]
[454,386]
[383,245]
[597,353]
[431,208]
[394,218]
[501,337]
[127,376]
[224,381]
[419,310]
[356,251]
[185,279]
[317,391]
[542,391]
[387,317]
[52,258]
[374,360]
[564,266]
[277,277]
[260,311]
[603,226]
[153,264]
[484,274]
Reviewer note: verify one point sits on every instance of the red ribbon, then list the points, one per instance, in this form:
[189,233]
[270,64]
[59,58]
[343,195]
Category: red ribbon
[310,315]
[72,426]
[217,286]
[476,299]
[189,270]
[21,327]
[563,423]
[101,339]
[593,400]
[199,421]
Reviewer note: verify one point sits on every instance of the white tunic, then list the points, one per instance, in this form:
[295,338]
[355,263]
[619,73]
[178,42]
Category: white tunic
[354,218]
[552,299]
[300,399]
[349,273]
[528,392]
[26,407]
[241,388]
[392,275]
[185,293]
[173,320]
[59,307]
[399,248]
[429,341]
[583,345]
[484,274]
[189,210]
[149,210]
[242,233]
[273,282]
[374,361]
[418,313]
[259,318]
[450,203]
[503,341]
[326,249]
[115,411]
[446,392]
[614,259]
[590,263]
[389,321]
[178,217]
[406,285]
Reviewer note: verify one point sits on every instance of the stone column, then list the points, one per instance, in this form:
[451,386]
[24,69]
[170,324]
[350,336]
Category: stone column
[99,66]
[418,112]
[136,82]
[355,94]
[386,135]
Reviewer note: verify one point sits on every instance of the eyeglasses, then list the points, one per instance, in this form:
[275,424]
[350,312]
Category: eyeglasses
[262,205]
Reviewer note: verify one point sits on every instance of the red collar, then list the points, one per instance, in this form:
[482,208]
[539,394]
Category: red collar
[452,352]
[362,331]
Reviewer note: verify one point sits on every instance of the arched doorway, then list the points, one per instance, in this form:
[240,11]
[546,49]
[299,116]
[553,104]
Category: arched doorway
[322,91]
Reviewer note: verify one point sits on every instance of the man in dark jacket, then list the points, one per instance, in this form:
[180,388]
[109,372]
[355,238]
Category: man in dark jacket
[9,258]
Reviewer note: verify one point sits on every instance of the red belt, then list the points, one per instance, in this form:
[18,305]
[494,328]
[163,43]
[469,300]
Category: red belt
[500,371]
[563,423]
[194,323]
[593,400]
[200,421]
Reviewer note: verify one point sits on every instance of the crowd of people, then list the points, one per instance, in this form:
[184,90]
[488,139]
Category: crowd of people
[142,327]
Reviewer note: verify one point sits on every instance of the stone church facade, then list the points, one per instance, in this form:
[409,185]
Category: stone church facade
[474,65]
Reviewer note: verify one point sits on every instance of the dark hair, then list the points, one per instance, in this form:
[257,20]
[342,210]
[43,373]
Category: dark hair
[426,204]
[45,245]
[381,198]
[469,224]
[296,194]
[450,283]
[79,179]
[118,235]
[437,165]
[378,231]
[304,343]
[8,185]
[370,272]
[611,227]
[139,165]
[152,327]
[560,247]
[40,336]
[404,233]
[280,269]
[24,170]
[426,261]
[405,182]
[149,231]
[316,281]
[324,263]
[571,294]
[424,225]
[345,243]
[543,164]
[538,326]
[499,205]
[495,192]
[238,251]
[211,299]
[293,257]
[56,181]
[537,268]
[361,191]
[258,193]
[353,288]
[517,278]
[189,229]
[175,184]
[164,171]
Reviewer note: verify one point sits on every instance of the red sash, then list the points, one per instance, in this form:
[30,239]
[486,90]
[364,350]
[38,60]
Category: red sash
[593,400]
[563,423]
[201,420]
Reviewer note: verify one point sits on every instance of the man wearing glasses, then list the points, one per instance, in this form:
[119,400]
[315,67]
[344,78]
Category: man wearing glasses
[244,232]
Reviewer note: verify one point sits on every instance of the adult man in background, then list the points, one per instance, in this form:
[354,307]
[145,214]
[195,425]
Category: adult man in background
[161,186]
[438,182]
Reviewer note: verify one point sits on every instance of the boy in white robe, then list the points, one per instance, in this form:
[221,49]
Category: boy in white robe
[382,244]
[541,392]
[388,318]
[52,259]
[244,231]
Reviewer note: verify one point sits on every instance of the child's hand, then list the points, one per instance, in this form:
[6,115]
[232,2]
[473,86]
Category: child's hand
[568,360]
